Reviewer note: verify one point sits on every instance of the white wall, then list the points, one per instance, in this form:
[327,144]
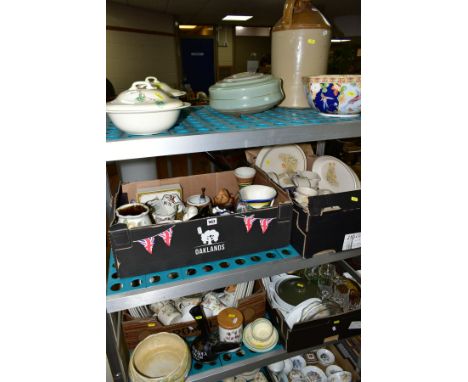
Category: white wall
[133,56]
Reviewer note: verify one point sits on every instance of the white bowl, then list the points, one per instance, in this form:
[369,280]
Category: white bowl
[325,357]
[145,123]
[197,201]
[258,196]
[332,369]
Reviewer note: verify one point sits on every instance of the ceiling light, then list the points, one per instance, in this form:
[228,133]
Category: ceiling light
[187,26]
[340,40]
[236,18]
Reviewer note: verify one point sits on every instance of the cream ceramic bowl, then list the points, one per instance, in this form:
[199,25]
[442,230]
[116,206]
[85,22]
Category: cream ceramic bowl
[144,109]
[334,95]
[162,357]
[262,329]
[258,196]
[245,93]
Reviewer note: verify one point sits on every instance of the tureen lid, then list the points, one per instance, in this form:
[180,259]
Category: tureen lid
[246,84]
[143,97]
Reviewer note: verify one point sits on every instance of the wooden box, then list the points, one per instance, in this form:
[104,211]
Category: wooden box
[136,329]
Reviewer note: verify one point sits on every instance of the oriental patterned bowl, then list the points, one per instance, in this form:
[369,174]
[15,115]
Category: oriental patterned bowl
[334,95]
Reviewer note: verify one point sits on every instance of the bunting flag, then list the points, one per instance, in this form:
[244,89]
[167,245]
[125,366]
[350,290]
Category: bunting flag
[264,223]
[248,221]
[147,243]
[166,236]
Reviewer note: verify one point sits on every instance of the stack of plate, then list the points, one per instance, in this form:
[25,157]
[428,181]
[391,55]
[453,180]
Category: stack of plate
[335,175]
[162,357]
[260,336]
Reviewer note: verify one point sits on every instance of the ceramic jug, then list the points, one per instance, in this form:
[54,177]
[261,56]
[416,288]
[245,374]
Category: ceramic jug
[300,41]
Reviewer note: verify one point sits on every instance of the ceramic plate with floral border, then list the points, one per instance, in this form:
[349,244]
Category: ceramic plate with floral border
[335,175]
[282,159]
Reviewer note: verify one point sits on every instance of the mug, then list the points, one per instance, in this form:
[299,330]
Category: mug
[168,314]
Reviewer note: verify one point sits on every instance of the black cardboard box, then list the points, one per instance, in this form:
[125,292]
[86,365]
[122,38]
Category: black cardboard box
[321,331]
[186,245]
[325,227]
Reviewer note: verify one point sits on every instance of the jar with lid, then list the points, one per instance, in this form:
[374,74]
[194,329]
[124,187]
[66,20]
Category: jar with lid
[230,322]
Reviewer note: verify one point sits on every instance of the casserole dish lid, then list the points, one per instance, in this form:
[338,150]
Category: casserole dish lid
[245,85]
[143,97]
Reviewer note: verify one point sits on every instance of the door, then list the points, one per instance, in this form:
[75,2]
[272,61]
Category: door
[198,63]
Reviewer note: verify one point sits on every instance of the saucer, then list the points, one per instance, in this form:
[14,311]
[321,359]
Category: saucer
[314,373]
[325,357]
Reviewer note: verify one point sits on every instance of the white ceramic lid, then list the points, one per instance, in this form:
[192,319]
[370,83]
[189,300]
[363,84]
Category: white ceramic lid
[165,87]
[246,84]
[143,97]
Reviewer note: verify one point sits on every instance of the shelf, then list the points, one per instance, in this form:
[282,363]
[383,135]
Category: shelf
[136,293]
[203,129]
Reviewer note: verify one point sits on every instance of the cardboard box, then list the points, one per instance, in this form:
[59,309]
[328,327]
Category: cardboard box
[326,228]
[135,330]
[321,331]
[187,243]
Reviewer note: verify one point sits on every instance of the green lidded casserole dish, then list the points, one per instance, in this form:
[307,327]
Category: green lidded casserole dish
[245,93]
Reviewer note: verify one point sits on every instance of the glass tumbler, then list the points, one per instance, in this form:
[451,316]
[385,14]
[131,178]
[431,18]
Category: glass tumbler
[326,275]
[341,293]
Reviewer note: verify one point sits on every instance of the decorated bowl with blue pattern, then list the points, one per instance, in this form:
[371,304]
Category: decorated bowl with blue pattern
[334,95]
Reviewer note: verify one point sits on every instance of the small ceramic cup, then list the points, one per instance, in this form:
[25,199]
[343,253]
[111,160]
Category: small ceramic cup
[276,367]
[288,366]
[168,314]
[212,302]
[302,194]
[164,213]
[244,176]
[262,329]
[306,191]
[190,212]
[332,369]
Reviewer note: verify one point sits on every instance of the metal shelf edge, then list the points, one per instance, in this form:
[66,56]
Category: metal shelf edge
[115,303]
[186,144]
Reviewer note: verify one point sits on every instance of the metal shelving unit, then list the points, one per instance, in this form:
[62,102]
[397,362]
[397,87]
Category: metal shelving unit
[203,129]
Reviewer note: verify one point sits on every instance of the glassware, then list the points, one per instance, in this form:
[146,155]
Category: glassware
[341,292]
[326,274]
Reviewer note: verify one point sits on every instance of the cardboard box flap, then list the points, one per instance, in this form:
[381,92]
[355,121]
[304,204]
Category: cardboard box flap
[350,200]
